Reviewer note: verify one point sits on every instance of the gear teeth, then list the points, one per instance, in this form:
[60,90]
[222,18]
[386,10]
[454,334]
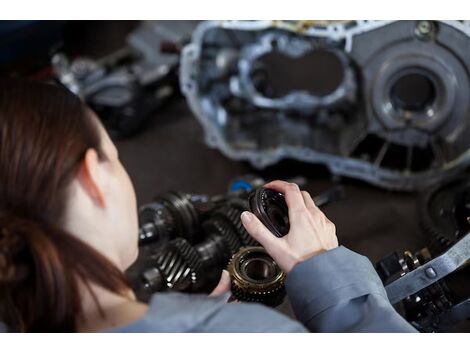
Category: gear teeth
[270,292]
[229,236]
[441,198]
[232,215]
[272,297]
[179,264]
[238,203]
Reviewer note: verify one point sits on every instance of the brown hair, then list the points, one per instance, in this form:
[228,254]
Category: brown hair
[44,134]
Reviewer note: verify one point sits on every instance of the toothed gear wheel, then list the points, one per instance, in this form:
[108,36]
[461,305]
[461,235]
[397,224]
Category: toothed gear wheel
[444,212]
[239,203]
[186,216]
[228,234]
[255,277]
[179,264]
[232,215]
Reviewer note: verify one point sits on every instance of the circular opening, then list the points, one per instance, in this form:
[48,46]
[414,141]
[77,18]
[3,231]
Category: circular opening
[318,72]
[413,92]
[278,218]
[258,270]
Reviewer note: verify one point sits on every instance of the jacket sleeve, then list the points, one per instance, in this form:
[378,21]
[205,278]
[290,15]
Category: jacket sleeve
[339,291]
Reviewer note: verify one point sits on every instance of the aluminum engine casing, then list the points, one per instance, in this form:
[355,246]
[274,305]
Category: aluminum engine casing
[382,101]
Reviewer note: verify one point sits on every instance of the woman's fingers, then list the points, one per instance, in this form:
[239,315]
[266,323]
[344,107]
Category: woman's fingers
[294,199]
[276,247]
[223,286]
[258,231]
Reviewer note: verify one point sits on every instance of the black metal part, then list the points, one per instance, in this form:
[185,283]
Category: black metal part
[186,240]
[430,272]
[172,214]
[444,212]
[431,287]
[172,265]
[271,209]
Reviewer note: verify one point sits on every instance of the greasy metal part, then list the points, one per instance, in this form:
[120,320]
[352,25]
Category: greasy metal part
[172,265]
[256,277]
[271,209]
[178,264]
[186,240]
[230,214]
[444,211]
[392,110]
[157,223]
[430,272]
[172,214]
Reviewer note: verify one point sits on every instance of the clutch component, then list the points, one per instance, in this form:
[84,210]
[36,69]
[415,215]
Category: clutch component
[256,277]
[382,101]
[270,207]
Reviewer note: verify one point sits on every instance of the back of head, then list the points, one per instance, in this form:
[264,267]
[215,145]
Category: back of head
[44,134]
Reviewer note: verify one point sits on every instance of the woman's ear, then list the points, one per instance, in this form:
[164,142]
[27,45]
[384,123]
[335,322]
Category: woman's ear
[91,177]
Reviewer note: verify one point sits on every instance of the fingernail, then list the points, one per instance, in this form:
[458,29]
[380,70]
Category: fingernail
[247,216]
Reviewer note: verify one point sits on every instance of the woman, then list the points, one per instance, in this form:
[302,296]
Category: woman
[68,231]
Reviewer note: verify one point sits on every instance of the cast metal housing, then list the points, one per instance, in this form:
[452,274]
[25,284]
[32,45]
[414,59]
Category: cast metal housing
[382,101]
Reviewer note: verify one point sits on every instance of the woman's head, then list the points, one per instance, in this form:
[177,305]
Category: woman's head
[67,207]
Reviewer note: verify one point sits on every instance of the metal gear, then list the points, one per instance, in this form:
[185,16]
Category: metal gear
[228,234]
[170,215]
[175,266]
[157,223]
[187,217]
[231,213]
[271,209]
[444,212]
[256,277]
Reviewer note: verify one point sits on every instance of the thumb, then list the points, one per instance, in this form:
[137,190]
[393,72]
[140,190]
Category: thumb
[258,231]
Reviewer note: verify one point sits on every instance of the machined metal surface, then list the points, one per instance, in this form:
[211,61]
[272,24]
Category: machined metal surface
[382,101]
[256,277]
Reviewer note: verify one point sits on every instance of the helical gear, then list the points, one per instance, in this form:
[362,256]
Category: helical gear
[179,264]
[232,214]
[230,237]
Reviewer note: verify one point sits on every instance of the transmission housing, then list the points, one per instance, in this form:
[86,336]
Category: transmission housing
[382,101]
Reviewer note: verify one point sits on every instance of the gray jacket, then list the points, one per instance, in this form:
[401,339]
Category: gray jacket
[336,291]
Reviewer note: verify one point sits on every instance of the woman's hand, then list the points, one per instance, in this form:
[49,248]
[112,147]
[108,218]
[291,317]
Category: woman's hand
[310,231]
[223,286]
